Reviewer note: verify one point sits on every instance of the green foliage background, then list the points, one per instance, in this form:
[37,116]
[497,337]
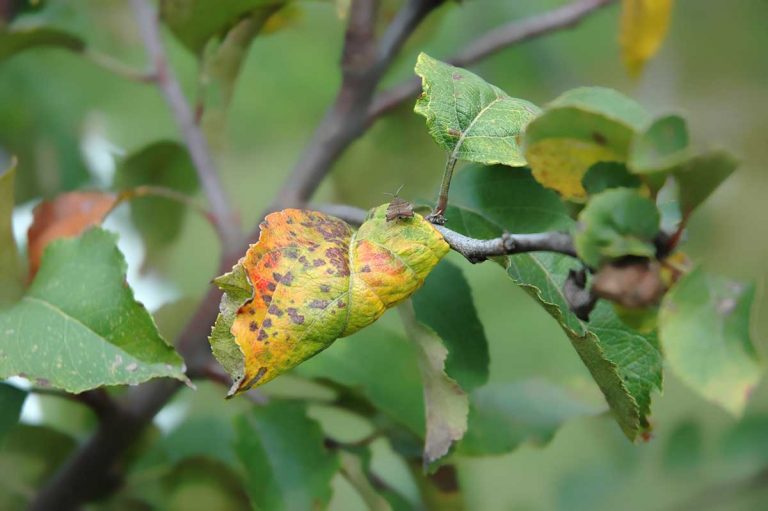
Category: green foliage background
[712,68]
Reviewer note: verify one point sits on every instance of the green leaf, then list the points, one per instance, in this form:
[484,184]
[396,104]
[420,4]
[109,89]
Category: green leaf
[195,22]
[662,147]
[473,119]
[614,224]
[383,366]
[287,466]
[605,175]
[704,328]
[356,467]
[624,363]
[577,130]
[504,415]
[10,270]
[445,306]
[11,401]
[445,403]
[683,448]
[165,164]
[202,483]
[20,39]
[700,176]
[78,326]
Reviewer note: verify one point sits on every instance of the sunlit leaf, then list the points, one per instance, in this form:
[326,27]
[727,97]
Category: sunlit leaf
[310,280]
[616,223]
[16,40]
[445,306]
[473,119]
[644,25]
[78,326]
[286,463]
[624,363]
[704,328]
[10,275]
[578,129]
[66,216]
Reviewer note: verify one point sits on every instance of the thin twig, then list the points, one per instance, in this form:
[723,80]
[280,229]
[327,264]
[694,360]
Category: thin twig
[498,39]
[225,217]
[114,66]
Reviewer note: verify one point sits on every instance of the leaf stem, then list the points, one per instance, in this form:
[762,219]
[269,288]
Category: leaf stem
[437,216]
[114,66]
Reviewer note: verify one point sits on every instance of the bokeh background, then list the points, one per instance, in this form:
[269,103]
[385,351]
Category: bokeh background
[69,122]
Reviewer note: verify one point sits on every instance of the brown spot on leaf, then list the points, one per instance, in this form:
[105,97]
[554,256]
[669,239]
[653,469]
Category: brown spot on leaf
[293,313]
[318,304]
[599,138]
[253,326]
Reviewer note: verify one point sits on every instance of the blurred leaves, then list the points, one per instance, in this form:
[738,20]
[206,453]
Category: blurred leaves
[578,129]
[661,147]
[700,176]
[163,164]
[10,270]
[11,401]
[203,483]
[644,25]
[310,280]
[445,306]
[65,216]
[605,175]
[78,326]
[473,119]
[704,328]
[16,40]
[504,415]
[287,466]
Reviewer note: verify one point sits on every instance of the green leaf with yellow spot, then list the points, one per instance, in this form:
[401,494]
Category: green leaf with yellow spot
[704,329]
[466,115]
[578,129]
[311,279]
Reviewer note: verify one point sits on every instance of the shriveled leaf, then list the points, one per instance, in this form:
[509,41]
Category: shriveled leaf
[446,405]
[625,364]
[310,280]
[78,326]
[286,463]
[445,306]
[11,401]
[504,415]
[10,271]
[616,223]
[16,40]
[165,164]
[578,129]
[662,147]
[644,25]
[603,176]
[704,328]
[700,176]
[473,119]
[66,216]
[383,366]
[195,22]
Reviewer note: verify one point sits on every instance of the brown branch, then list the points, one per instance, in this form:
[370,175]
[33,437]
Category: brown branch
[492,42]
[225,217]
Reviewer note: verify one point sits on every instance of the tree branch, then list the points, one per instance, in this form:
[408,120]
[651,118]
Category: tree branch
[225,217]
[498,39]
[476,250]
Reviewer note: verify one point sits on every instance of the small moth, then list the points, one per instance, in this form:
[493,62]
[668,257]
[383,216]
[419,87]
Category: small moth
[399,208]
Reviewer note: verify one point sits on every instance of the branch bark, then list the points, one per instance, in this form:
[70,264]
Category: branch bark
[492,42]
[225,217]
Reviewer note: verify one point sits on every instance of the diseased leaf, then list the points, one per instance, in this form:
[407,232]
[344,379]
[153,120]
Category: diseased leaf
[704,328]
[195,22]
[624,363]
[78,326]
[16,40]
[603,176]
[445,306]
[446,405]
[473,119]
[11,401]
[310,280]
[504,415]
[616,223]
[700,176]
[10,271]
[286,463]
[66,216]
[644,25]
[165,164]
[578,129]
[661,148]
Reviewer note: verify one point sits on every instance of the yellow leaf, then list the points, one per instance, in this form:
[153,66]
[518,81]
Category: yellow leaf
[312,279]
[644,25]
